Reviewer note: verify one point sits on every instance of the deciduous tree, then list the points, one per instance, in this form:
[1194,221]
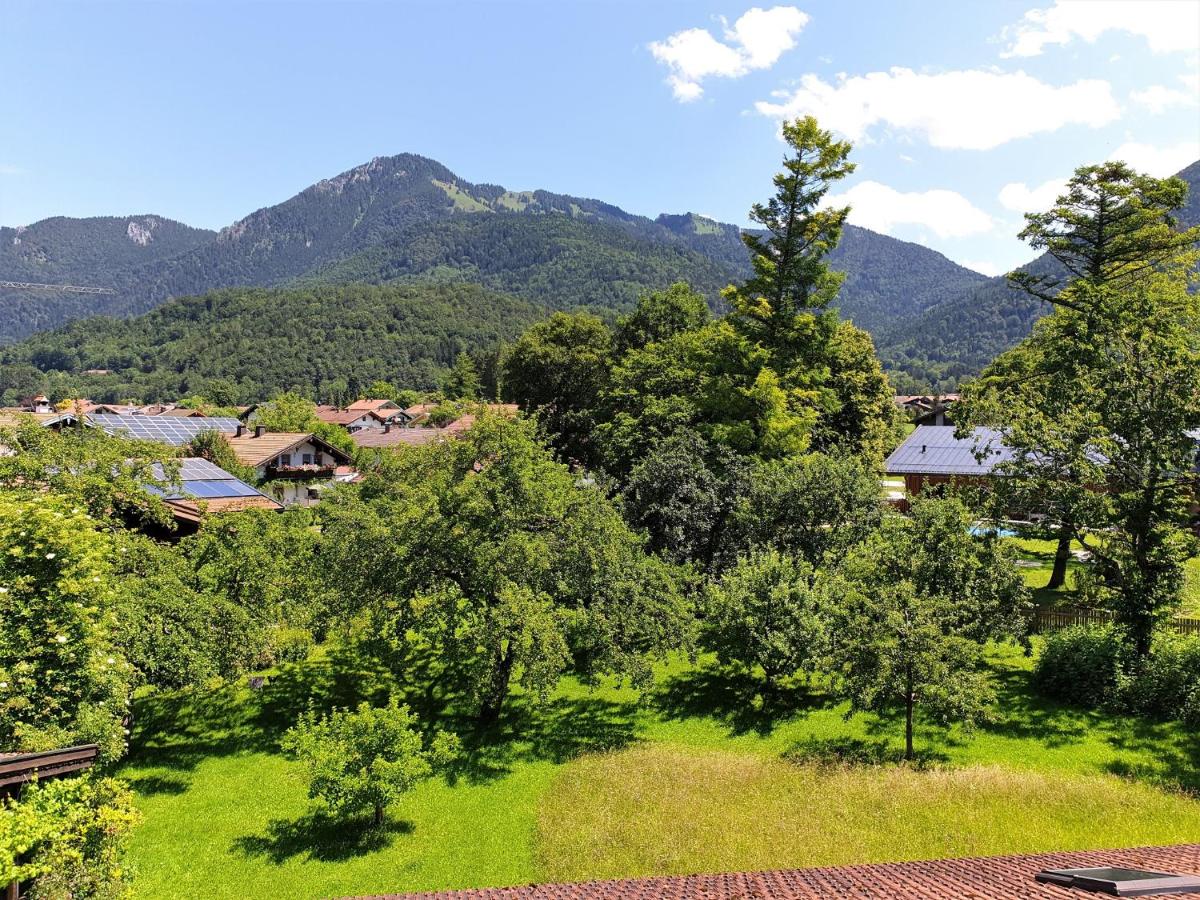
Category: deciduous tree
[922,596]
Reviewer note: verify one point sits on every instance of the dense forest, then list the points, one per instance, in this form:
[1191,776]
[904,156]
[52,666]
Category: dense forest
[248,343]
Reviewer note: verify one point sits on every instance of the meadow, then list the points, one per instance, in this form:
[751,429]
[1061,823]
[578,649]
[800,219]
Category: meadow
[700,773]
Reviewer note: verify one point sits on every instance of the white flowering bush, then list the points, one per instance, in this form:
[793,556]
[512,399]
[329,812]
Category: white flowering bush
[61,682]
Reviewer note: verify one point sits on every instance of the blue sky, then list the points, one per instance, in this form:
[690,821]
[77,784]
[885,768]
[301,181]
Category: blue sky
[964,114]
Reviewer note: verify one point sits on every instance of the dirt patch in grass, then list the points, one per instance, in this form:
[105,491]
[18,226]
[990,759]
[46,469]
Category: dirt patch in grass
[672,810]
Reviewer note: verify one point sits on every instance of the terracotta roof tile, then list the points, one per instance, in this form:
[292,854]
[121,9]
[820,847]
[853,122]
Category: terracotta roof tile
[984,878]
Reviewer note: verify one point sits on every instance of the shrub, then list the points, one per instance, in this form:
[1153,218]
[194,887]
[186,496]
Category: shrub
[66,838]
[292,644]
[1167,683]
[1081,664]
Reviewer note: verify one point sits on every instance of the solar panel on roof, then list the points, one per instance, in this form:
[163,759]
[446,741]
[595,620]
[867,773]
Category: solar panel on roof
[167,430]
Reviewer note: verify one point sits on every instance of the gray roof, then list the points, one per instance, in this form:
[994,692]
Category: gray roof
[934,450]
[164,429]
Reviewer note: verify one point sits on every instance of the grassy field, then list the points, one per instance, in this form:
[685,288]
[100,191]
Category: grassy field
[698,775]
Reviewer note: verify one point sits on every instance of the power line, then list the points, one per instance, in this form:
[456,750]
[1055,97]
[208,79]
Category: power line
[66,288]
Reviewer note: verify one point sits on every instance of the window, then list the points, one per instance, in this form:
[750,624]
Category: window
[285,459]
[307,459]
[1120,882]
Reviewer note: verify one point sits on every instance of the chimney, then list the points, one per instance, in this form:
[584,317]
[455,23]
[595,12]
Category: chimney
[241,429]
[260,430]
[922,448]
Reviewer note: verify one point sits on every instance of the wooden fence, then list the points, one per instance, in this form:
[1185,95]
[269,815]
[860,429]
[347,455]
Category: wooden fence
[1054,619]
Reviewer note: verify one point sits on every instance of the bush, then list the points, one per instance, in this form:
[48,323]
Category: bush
[1168,683]
[1081,664]
[292,644]
[66,838]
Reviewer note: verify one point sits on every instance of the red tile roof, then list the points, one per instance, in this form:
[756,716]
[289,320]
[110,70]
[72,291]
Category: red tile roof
[986,878]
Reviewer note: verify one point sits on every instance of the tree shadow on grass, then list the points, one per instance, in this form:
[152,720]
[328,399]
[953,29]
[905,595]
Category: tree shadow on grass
[150,785]
[177,730]
[1021,713]
[850,752]
[1174,753]
[322,837]
[738,699]
[557,730]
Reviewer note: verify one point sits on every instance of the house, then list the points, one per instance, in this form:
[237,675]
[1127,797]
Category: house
[932,455]
[363,414]
[392,436]
[293,467]
[204,487]
[39,404]
[182,412]
[1043,876]
[173,430]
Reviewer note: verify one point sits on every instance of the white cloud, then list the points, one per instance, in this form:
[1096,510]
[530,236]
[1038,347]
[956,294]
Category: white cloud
[881,208]
[1167,25]
[1021,198]
[756,41]
[982,266]
[972,109]
[1158,98]
[1158,161]
[6,169]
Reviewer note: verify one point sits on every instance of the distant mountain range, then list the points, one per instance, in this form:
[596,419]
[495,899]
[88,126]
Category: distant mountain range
[409,219]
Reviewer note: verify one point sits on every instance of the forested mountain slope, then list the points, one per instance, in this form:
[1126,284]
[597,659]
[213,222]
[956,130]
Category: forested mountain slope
[957,338]
[407,217]
[248,343]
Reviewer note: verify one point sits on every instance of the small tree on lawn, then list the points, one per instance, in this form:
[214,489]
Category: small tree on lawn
[769,611]
[922,596]
[368,758]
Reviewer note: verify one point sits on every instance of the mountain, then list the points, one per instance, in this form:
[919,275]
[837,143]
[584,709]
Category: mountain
[956,338]
[409,221]
[96,252]
[410,218]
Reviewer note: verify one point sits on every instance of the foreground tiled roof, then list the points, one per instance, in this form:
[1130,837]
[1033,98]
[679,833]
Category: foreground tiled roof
[987,878]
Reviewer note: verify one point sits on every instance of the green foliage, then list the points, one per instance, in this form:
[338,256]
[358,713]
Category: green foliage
[814,506]
[266,566]
[263,342]
[171,631]
[1089,666]
[66,839]
[790,273]
[1097,402]
[366,759]
[770,612]
[462,382]
[660,315]
[682,494]
[556,371]
[103,474]
[290,412]
[924,595]
[505,562]
[1081,665]
[62,682]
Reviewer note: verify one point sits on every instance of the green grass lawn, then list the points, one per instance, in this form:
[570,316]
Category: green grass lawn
[700,775]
